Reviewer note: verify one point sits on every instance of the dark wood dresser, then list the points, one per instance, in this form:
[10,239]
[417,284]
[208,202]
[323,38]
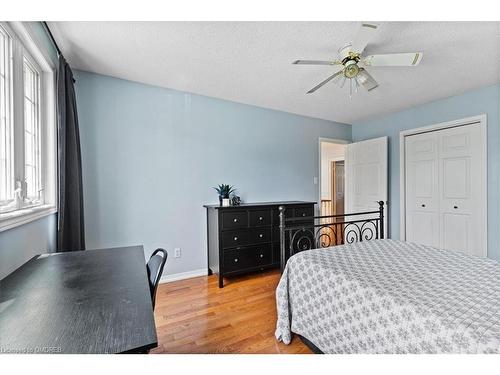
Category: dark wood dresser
[245,238]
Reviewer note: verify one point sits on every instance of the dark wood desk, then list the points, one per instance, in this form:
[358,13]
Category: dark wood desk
[94,301]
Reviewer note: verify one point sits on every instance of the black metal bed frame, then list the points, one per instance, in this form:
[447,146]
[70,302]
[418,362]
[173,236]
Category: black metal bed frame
[306,233]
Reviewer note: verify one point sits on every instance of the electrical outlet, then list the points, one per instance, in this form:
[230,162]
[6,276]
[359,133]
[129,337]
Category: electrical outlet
[177,252]
[315,180]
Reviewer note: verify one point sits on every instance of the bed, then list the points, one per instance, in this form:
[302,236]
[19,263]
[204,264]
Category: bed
[385,296]
[346,289]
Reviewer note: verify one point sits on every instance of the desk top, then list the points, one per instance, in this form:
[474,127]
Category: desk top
[94,301]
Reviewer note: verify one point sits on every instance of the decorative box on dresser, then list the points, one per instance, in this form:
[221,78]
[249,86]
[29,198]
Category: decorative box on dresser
[245,238]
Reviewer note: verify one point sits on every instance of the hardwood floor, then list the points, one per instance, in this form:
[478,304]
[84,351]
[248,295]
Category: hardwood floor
[195,316]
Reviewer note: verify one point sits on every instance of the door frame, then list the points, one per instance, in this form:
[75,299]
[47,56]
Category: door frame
[326,140]
[479,120]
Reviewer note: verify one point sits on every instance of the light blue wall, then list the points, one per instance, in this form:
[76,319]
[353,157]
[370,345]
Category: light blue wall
[20,244]
[151,156]
[485,100]
[43,40]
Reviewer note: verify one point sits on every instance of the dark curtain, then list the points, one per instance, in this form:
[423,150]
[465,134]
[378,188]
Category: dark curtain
[70,225]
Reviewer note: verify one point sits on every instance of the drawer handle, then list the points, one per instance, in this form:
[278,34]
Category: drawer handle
[262,255]
[423,205]
[455,207]
[261,235]
[235,220]
[260,218]
[236,238]
[235,260]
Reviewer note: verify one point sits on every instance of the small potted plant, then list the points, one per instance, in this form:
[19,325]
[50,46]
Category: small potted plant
[224,192]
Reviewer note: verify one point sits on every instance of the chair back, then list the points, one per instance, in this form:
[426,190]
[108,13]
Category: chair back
[155,269]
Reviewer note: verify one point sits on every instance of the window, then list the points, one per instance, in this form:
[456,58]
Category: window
[27,127]
[32,165]
[6,150]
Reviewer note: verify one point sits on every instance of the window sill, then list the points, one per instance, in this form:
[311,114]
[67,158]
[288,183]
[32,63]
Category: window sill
[9,220]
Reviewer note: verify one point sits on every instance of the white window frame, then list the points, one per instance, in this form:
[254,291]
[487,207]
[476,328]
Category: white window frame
[25,43]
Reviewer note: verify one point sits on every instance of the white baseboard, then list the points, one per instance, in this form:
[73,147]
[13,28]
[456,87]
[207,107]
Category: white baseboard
[183,275]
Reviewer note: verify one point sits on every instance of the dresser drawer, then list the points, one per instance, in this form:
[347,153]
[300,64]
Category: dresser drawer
[260,218]
[259,235]
[303,212]
[234,219]
[247,257]
[241,237]
[235,238]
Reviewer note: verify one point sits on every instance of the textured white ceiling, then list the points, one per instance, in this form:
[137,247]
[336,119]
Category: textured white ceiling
[250,62]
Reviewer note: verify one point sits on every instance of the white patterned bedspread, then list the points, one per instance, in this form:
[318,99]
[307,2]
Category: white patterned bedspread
[388,296]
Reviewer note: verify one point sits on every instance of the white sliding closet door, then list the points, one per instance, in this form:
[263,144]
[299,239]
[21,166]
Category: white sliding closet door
[366,176]
[446,189]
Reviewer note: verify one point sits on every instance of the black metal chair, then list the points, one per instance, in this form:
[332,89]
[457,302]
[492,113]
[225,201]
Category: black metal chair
[155,269]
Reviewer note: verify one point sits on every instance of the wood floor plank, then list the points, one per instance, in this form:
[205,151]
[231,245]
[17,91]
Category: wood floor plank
[195,316]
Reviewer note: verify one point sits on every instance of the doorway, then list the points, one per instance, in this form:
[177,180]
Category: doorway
[353,178]
[332,176]
[337,187]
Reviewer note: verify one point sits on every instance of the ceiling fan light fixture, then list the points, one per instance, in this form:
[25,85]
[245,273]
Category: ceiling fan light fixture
[354,62]
[351,69]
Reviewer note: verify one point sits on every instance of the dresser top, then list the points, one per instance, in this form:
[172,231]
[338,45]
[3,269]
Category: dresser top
[258,204]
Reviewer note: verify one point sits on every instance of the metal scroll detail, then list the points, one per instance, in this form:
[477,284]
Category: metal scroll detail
[306,233]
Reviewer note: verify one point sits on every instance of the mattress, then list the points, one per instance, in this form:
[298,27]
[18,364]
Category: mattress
[387,296]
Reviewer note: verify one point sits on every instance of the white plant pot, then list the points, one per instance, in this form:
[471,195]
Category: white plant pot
[225,202]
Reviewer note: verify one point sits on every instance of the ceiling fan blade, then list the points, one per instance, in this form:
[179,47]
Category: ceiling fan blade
[394,59]
[325,81]
[367,80]
[316,62]
[363,37]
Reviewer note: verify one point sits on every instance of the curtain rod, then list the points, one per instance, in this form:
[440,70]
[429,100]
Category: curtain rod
[52,37]
[54,41]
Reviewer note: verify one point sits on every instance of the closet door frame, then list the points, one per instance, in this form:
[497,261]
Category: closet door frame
[480,120]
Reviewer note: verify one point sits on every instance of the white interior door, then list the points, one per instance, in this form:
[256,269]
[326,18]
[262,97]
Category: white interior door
[446,189]
[366,176]
[462,173]
[422,189]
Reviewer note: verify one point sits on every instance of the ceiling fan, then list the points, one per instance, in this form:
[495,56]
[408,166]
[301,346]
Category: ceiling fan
[353,63]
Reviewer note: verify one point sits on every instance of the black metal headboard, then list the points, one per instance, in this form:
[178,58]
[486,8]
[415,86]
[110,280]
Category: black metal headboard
[306,233]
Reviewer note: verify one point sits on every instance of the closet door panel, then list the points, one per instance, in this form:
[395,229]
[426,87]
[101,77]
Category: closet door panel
[424,228]
[456,232]
[422,209]
[462,189]
[445,182]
